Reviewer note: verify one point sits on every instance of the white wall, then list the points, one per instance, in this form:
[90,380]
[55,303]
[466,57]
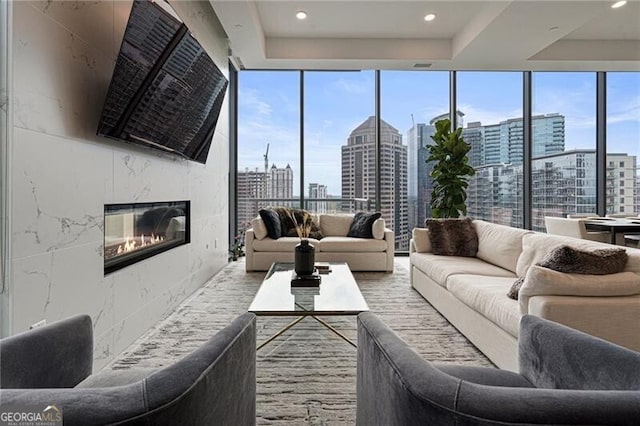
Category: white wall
[63,174]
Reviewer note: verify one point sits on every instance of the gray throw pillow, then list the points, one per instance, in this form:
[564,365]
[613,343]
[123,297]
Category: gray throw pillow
[453,237]
[362,225]
[572,261]
[272,222]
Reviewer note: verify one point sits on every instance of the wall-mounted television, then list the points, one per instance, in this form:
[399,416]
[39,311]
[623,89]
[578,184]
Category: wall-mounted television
[165,93]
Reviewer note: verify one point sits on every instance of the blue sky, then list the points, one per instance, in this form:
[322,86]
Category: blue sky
[337,102]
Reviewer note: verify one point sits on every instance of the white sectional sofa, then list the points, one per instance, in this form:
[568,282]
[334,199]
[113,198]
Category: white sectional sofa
[471,292]
[361,254]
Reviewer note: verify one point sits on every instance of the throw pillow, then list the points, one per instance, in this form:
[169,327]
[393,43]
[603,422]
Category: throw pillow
[453,237]
[272,222]
[596,262]
[421,240]
[362,225]
[515,289]
[259,228]
[573,261]
[378,229]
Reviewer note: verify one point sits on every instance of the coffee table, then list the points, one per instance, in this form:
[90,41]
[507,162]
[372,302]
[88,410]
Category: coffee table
[337,294]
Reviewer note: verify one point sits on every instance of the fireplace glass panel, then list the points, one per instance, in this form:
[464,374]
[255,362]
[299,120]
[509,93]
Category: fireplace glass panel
[133,232]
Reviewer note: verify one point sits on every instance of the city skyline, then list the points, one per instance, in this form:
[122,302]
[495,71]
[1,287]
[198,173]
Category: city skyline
[336,102]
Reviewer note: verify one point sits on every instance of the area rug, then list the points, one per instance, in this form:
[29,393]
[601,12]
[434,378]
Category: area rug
[307,376]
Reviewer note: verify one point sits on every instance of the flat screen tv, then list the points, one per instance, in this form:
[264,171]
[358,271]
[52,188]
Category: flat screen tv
[166,92]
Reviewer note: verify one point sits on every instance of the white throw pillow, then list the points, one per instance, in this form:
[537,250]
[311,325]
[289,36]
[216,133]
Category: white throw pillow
[259,228]
[421,240]
[541,281]
[377,229]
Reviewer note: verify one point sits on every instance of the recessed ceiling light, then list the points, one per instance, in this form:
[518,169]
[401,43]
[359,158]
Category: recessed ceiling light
[430,17]
[301,14]
[618,4]
[554,28]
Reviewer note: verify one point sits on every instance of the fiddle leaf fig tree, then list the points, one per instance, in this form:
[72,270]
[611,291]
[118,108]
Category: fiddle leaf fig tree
[451,171]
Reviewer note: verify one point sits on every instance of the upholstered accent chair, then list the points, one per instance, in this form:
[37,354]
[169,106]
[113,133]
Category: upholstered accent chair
[51,365]
[573,228]
[566,377]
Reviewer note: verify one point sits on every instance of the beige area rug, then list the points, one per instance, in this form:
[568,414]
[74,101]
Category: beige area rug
[308,375]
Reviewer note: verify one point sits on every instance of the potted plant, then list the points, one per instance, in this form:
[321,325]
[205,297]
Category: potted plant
[451,171]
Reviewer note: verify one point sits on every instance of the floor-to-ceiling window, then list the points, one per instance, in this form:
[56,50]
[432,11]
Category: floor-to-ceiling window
[339,141]
[490,112]
[410,101]
[268,141]
[564,145]
[623,143]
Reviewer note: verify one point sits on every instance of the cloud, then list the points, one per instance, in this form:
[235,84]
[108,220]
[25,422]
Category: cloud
[354,86]
[250,100]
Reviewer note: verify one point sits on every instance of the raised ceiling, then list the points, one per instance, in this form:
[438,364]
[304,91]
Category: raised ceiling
[466,35]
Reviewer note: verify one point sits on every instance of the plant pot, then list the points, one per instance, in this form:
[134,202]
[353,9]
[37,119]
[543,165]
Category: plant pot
[304,258]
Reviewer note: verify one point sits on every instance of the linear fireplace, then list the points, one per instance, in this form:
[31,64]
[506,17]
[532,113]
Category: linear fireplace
[137,231]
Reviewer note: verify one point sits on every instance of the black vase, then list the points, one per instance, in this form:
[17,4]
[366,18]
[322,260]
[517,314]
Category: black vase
[304,259]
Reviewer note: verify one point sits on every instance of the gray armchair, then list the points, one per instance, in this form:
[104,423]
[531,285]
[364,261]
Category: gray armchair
[566,378]
[51,365]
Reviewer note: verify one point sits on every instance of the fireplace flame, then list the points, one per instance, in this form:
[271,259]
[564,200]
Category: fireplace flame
[132,244]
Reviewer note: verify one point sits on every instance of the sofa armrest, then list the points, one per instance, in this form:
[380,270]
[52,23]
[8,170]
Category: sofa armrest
[552,355]
[58,355]
[249,236]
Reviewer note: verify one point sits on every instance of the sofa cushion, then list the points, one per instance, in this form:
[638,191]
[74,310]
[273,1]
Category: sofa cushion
[350,244]
[335,225]
[499,244]
[282,244]
[439,268]
[544,281]
[259,228]
[421,240]
[378,229]
[487,295]
[453,237]
[536,246]
[272,223]
[362,225]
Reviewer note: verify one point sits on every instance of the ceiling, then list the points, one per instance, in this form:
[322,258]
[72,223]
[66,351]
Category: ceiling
[466,35]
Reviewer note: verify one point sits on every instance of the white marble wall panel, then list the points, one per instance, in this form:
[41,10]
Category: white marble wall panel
[147,176]
[56,285]
[58,190]
[139,284]
[92,21]
[63,174]
[130,328]
[60,81]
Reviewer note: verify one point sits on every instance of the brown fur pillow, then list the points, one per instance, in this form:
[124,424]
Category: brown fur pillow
[572,261]
[453,237]
[303,217]
[596,262]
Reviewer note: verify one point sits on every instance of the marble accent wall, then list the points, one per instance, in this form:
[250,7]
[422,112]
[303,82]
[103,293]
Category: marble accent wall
[63,174]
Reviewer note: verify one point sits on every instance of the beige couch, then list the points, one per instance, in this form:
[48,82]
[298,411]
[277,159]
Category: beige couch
[472,292]
[361,254]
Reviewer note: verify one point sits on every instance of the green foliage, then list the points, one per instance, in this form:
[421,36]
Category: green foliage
[451,171]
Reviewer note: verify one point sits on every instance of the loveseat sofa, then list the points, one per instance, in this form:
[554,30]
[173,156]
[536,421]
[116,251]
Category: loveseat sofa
[471,292]
[361,254]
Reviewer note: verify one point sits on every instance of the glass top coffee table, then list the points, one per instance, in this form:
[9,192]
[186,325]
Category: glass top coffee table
[337,294]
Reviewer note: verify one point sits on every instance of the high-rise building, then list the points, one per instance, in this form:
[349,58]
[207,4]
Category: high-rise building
[256,190]
[252,192]
[621,183]
[280,185]
[502,143]
[317,191]
[359,173]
